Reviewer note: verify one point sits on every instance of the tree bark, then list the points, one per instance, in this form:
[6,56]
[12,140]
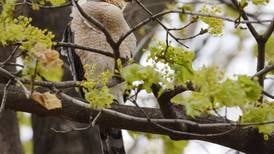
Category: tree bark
[45,140]
[245,139]
[9,130]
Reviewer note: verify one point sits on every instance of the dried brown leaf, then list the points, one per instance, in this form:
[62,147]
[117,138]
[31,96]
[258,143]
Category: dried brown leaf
[47,100]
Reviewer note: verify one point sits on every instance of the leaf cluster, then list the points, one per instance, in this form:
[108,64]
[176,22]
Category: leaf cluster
[215,25]
[96,89]
[39,59]
[211,89]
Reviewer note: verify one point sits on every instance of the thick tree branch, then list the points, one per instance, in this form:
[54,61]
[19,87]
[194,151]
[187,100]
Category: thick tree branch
[242,139]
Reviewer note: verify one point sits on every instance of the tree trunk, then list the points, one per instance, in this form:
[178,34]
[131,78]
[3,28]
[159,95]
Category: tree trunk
[9,130]
[45,140]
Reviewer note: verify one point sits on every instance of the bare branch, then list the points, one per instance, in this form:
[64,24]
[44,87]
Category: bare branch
[4,98]
[264,71]
[269,31]
[76,46]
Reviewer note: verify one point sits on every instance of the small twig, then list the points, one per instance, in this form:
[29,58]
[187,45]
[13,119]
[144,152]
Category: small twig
[185,26]
[10,56]
[269,31]
[158,15]
[27,93]
[13,64]
[67,84]
[202,31]
[151,14]
[264,71]
[173,131]
[268,95]
[95,119]
[76,46]
[72,129]
[33,76]
[4,98]
[47,6]
[63,84]
[245,17]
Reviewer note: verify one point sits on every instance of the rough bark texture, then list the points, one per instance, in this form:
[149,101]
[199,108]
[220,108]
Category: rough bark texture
[243,139]
[9,130]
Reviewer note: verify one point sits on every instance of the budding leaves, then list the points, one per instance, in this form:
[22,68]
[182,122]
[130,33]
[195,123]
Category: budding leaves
[95,87]
[261,113]
[147,75]
[244,3]
[178,60]
[213,92]
[38,57]
[215,24]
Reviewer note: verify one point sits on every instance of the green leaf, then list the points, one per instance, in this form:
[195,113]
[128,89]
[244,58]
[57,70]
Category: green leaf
[177,59]
[173,147]
[136,72]
[251,87]
[261,113]
[231,94]
[95,87]
[215,25]
[213,91]
[260,2]
[269,49]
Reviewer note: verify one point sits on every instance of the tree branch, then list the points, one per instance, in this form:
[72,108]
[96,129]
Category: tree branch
[131,118]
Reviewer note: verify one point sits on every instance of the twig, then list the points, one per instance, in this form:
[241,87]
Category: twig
[183,27]
[202,31]
[264,71]
[151,14]
[268,95]
[17,80]
[67,84]
[47,6]
[158,15]
[63,84]
[4,98]
[10,56]
[269,31]
[72,129]
[245,17]
[95,119]
[76,46]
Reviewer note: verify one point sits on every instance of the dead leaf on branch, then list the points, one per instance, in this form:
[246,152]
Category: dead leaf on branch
[47,100]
